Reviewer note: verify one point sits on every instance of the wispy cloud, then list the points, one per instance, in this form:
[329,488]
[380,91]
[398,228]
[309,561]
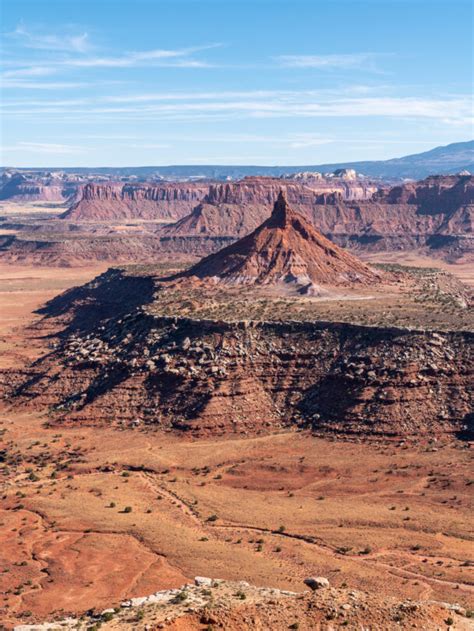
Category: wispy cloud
[302,141]
[204,96]
[286,104]
[42,147]
[33,71]
[77,43]
[364,61]
[67,52]
[42,85]
[162,57]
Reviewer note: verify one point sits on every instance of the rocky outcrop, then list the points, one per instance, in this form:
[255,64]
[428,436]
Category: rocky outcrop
[169,201]
[285,248]
[239,606]
[117,363]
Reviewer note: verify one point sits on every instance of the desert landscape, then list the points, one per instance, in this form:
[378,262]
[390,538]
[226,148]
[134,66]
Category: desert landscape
[205,441]
[236,323]
[184,220]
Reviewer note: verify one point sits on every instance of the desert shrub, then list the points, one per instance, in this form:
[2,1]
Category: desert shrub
[182,596]
[127,509]
[107,616]
[212,518]
[343,549]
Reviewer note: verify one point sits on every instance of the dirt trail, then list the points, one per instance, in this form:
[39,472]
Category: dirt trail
[173,497]
[369,558]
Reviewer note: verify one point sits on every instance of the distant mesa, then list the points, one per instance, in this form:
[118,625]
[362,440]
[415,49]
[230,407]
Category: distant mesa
[346,174]
[285,248]
[305,175]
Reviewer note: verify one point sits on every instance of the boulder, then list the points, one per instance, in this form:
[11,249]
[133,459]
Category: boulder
[316,582]
[202,581]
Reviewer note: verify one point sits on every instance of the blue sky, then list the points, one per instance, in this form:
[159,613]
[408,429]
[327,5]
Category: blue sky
[154,82]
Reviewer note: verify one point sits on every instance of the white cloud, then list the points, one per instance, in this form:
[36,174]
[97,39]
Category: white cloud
[334,62]
[43,85]
[163,58]
[68,43]
[42,147]
[33,71]
[67,51]
[301,141]
[449,109]
[198,96]
[350,101]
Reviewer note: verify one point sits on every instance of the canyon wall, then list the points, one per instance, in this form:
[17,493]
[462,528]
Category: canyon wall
[130,201]
[436,214]
[174,200]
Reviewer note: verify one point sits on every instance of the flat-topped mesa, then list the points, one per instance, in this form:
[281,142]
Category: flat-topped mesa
[285,248]
[169,201]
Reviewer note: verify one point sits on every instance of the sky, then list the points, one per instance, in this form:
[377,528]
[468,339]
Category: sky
[274,82]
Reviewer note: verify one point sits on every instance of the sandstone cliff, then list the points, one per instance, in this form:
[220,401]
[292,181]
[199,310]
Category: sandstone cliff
[132,201]
[176,199]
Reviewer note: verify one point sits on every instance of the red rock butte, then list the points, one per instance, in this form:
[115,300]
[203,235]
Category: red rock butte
[285,248]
